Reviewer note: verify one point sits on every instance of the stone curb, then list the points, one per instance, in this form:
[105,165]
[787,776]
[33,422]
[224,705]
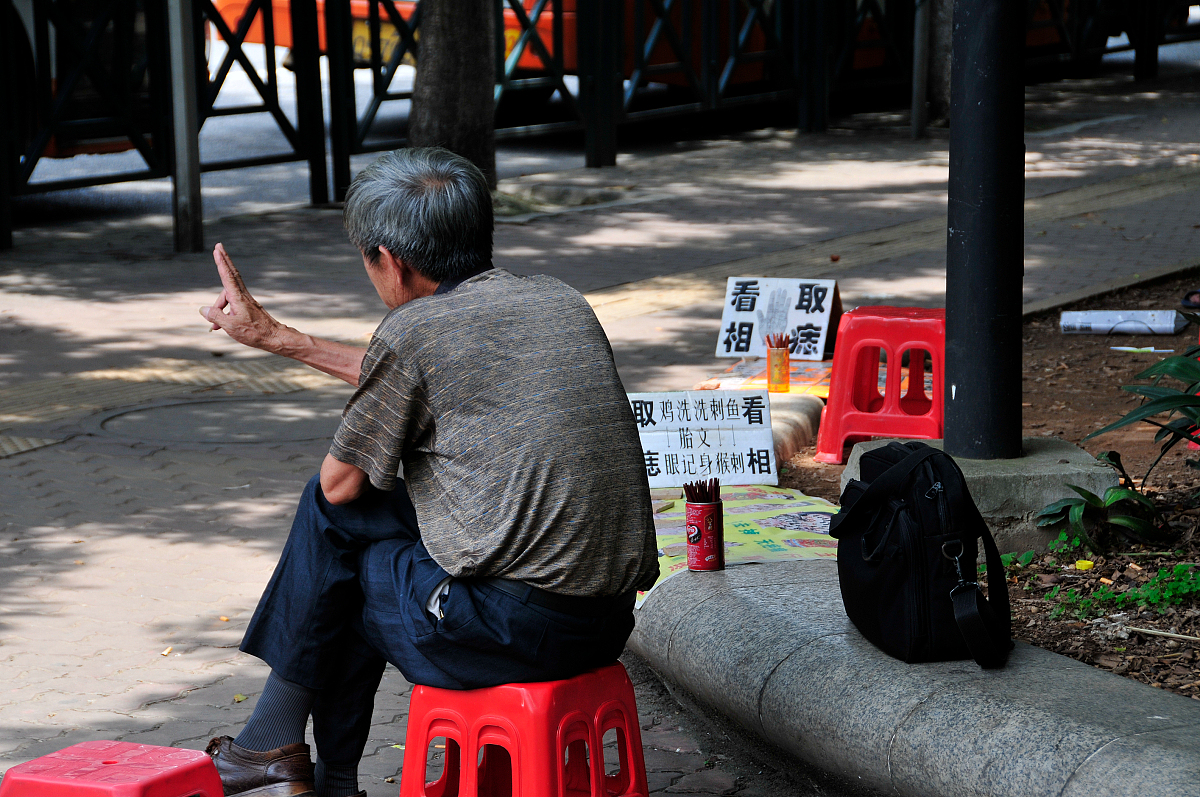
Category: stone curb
[770,647]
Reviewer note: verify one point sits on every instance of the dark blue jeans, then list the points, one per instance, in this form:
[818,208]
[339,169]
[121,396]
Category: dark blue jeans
[349,594]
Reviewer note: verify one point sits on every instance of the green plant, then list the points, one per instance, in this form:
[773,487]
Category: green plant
[1122,512]
[1008,559]
[1160,399]
[1066,543]
[1166,588]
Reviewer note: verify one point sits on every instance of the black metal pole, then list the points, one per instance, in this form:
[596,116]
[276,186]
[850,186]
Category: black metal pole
[598,44]
[1147,19]
[984,266]
[8,126]
[185,127]
[343,118]
[815,108]
[310,118]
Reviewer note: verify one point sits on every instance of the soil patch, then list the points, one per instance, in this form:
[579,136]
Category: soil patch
[1071,386]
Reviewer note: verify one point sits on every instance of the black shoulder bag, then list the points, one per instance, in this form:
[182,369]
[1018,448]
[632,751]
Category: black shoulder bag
[908,537]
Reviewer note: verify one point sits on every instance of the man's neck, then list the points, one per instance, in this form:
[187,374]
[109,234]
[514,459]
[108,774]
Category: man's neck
[445,286]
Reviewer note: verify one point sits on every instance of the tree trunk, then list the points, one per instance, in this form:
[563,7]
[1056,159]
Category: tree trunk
[452,103]
[942,30]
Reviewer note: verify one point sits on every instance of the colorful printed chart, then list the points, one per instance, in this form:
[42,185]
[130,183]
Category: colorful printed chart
[762,524]
[807,377]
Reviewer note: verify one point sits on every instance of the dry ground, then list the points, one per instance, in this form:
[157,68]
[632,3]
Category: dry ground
[1071,387]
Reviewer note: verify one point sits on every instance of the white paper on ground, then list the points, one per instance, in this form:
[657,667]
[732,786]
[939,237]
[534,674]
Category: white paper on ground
[1122,322]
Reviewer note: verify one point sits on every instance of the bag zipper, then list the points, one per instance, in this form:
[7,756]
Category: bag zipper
[917,569]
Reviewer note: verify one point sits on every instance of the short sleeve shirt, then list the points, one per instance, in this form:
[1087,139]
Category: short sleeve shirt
[500,403]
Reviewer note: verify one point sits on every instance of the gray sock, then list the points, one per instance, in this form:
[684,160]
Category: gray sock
[336,781]
[279,717]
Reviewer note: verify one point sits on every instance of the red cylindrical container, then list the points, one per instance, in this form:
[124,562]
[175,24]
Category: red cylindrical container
[705,536]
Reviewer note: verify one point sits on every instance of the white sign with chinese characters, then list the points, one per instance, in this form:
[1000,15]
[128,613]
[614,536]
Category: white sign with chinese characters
[705,434]
[757,307]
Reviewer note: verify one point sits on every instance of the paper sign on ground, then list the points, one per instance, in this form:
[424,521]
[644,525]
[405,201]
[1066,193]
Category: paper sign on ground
[762,524]
[705,434]
[807,310]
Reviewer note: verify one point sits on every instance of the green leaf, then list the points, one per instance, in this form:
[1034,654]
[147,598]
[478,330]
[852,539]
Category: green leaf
[1185,369]
[1076,520]
[1137,524]
[1164,404]
[1058,506]
[1050,521]
[1115,494]
[1026,558]
[1007,559]
[1088,496]
[1153,391]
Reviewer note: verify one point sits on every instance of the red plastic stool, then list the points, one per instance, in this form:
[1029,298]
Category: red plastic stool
[856,410]
[114,769]
[530,740]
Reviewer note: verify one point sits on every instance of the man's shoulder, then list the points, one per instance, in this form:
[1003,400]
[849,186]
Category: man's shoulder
[491,295]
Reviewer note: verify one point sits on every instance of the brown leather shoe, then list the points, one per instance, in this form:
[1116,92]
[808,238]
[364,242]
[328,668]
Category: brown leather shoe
[284,772]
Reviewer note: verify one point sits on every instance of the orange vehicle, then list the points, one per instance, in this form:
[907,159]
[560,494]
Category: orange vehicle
[529,61]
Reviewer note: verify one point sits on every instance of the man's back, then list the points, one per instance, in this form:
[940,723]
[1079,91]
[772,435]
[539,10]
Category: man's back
[502,402]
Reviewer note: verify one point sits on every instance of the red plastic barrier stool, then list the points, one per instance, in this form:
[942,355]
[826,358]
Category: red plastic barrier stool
[856,410]
[114,769]
[528,740]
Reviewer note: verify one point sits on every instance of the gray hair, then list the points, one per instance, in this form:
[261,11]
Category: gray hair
[427,206]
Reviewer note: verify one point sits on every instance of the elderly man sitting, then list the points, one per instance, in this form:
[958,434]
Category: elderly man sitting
[512,548]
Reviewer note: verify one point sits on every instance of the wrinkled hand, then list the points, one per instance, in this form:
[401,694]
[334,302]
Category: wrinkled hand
[237,312]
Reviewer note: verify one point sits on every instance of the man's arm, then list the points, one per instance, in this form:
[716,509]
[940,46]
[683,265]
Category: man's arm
[245,320]
[340,482]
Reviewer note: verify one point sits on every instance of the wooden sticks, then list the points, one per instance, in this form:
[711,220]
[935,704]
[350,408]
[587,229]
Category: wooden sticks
[703,492]
[778,340]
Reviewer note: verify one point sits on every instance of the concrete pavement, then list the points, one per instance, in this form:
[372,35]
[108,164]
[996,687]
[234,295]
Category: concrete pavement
[151,468]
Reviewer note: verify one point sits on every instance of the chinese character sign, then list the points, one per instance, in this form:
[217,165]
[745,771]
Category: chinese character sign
[807,311]
[704,434]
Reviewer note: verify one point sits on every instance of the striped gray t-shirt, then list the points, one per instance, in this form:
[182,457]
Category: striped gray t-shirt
[502,402]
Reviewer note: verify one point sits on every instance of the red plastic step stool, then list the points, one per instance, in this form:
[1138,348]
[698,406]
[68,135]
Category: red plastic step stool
[530,740]
[114,769]
[856,410]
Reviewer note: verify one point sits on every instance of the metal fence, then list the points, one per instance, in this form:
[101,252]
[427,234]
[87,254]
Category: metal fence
[99,69]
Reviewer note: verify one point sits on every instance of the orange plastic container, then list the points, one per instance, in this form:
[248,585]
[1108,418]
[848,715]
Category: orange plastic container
[532,740]
[856,409]
[114,769]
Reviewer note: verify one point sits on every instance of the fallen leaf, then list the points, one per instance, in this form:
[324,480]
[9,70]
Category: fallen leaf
[398,746]
[238,698]
[166,652]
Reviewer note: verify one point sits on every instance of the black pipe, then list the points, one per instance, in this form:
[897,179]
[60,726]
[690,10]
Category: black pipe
[310,118]
[1148,31]
[9,125]
[598,40]
[984,246]
[343,112]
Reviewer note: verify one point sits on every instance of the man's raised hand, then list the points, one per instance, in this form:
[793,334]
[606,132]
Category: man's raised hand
[238,313]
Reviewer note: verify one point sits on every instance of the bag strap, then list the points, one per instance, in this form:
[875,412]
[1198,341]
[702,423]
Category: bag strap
[878,491]
[984,622]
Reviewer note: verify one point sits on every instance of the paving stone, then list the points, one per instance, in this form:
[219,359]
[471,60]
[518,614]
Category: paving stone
[706,781]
